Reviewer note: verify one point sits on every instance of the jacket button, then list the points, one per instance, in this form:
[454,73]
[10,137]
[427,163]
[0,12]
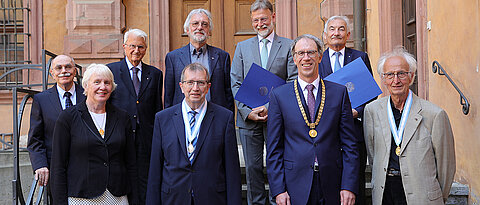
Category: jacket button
[381,187]
[105,164]
[137,102]
[314,144]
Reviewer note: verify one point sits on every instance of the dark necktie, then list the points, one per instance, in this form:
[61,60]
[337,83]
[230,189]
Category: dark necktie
[198,53]
[68,101]
[311,102]
[136,82]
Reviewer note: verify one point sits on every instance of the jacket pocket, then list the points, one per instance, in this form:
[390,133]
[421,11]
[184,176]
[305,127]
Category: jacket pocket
[165,188]
[221,187]
[288,164]
[435,194]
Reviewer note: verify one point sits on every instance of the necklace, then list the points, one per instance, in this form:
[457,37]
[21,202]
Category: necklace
[99,127]
[312,132]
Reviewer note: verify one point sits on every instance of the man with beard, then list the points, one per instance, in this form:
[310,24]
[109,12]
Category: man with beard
[198,26]
[273,54]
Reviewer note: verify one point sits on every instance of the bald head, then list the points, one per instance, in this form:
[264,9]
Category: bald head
[63,71]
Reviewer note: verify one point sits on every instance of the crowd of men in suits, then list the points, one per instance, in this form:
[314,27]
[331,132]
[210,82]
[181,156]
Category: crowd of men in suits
[316,143]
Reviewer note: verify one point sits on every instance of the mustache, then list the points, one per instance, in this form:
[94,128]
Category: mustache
[261,27]
[64,75]
[202,32]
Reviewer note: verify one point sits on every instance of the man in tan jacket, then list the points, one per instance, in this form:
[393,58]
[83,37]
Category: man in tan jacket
[409,140]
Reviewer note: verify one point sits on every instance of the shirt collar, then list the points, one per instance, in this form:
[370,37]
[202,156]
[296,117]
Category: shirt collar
[331,52]
[269,37]
[204,49]
[198,110]
[304,84]
[130,65]
[61,92]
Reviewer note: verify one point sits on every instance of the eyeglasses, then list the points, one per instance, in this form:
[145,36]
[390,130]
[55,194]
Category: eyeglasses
[301,54]
[133,47]
[68,67]
[191,83]
[263,20]
[204,24]
[401,75]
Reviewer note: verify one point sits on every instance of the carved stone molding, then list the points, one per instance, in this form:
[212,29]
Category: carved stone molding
[94,28]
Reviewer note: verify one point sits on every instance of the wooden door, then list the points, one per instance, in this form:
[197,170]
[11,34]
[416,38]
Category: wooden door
[231,20]
[410,33]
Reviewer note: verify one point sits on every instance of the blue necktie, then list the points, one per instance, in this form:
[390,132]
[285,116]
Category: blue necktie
[264,54]
[337,62]
[194,141]
[68,101]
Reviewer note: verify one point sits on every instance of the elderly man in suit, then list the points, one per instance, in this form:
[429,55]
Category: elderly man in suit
[336,56]
[199,26]
[46,107]
[273,54]
[139,93]
[312,154]
[409,140]
[194,153]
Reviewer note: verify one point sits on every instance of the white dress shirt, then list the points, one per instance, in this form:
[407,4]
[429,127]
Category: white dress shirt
[333,58]
[63,99]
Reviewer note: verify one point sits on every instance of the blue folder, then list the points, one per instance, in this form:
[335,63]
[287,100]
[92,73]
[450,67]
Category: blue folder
[256,86]
[359,82]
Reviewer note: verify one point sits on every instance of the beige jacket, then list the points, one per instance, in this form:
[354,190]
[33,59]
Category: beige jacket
[427,157]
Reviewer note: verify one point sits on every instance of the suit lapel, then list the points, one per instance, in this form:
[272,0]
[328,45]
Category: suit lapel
[111,122]
[255,51]
[88,121]
[185,55]
[276,45]
[326,66]
[413,120]
[180,128]
[55,99]
[125,77]
[348,56]
[146,69]
[79,94]
[212,59]
[204,129]
[387,134]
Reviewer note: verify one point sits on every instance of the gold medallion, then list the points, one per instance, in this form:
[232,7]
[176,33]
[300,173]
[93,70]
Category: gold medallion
[190,148]
[312,125]
[312,133]
[101,132]
[397,151]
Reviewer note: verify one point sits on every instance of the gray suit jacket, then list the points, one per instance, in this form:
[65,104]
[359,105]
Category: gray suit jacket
[427,157]
[280,63]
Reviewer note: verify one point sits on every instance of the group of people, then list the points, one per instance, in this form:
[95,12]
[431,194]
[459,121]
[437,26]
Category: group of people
[111,140]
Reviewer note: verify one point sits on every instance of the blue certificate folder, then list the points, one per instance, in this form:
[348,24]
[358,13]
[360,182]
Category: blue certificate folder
[359,82]
[256,86]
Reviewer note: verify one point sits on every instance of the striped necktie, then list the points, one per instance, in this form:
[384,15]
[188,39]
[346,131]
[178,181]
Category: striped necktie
[192,120]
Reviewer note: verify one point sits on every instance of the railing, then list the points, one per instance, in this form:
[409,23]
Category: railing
[463,100]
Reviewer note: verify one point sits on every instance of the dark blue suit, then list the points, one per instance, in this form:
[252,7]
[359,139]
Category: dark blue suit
[141,108]
[46,107]
[291,151]
[219,62]
[325,70]
[214,175]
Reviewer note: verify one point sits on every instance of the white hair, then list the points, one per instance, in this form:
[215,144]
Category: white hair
[135,32]
[97,69]
[344,18]
[198,11]
[400,52]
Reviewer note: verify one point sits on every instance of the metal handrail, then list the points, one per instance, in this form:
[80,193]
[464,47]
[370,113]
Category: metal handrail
[463,100]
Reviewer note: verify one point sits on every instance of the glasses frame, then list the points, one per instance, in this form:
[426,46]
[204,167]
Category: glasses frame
[140,47]
[392,75]
[301,54]
[199,83]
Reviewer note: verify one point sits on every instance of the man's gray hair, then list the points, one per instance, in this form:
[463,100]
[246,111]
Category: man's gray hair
[198,11]
[309,36]
[99,70]
[261,4]
[135,32]
[344,18]
[194,67]
[400,52]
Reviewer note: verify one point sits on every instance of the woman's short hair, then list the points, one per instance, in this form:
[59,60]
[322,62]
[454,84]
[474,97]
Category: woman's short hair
[100,70]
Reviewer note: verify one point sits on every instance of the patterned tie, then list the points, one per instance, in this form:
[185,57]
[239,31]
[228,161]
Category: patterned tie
[311,102]
[136,82]
[264,54]
[68,101]
[192,115]
[337,62]
[197,53]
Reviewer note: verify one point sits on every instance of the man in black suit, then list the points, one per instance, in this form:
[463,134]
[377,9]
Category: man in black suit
[336,34]
[198,26]
[139,93]
[46,107]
